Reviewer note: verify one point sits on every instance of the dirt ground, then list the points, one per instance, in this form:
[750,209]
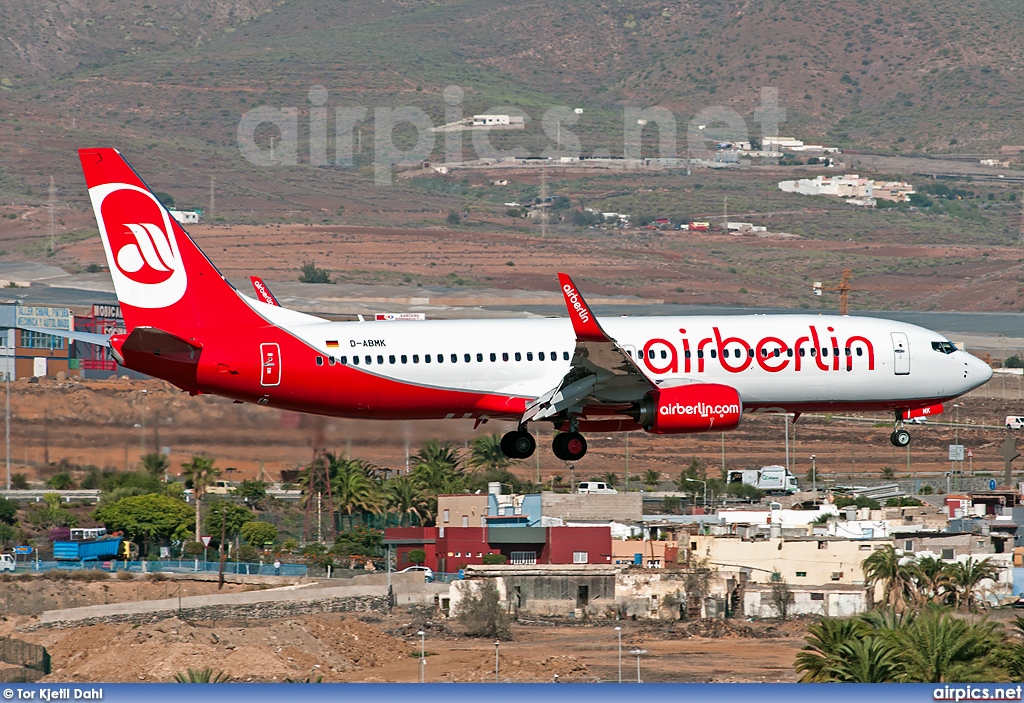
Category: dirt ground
[385,649]
[113,423]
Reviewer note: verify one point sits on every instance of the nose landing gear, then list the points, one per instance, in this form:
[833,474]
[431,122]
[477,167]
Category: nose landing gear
[899,437]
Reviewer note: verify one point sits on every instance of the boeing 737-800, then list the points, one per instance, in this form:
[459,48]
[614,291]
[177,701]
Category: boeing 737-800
[186,324]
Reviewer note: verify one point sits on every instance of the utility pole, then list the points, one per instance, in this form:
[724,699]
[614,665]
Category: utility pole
[53,208]
[7,425]
[725,215]
[211,197]
[543,201]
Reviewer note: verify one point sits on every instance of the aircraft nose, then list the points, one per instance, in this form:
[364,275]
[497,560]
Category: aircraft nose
[977,371]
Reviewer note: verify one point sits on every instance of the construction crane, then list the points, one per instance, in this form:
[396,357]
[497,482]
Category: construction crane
[844,289]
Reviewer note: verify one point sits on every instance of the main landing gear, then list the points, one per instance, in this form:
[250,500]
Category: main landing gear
[899,437]
[519,444]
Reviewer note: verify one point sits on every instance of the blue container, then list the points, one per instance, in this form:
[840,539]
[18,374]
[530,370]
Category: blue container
[87,550]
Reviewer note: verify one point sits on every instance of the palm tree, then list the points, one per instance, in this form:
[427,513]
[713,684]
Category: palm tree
[351,486]
[438,454]
[611,478]
[820,656]
[931,580]
[966,576]
[202,473]
[404,497]
[652,478]
[871,659]
[937,647]
[156,463]
[884,566]
[486,454]
[201,676]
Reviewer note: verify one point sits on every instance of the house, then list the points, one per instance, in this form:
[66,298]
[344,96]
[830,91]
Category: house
[185,217]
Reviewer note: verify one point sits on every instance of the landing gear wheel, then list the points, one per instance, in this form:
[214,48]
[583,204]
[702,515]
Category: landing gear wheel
[569,446]
[518,445]
[900,438]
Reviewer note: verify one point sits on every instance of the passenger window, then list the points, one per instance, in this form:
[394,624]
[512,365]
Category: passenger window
[714,353]
[355,360]
[664,354]
[814,352]
[789,352]
[467,358]
[687,353]
[455,358]
[426,358]
[331,361]
[405,359]
[344,359]
[738,353]
[628,351]
[764,353]
[565,356]
[777,353]
[504,356]
[368,359]
[554,356]
[494,357]
[849,352]
[750,353]
[380,358]
[319,361]
[519,357]
[440,358]
[824,351]
[860,352]
[415,358]
[391,359]
[700,353]
[479,357]
[529,356]
[835,350]
[540,356]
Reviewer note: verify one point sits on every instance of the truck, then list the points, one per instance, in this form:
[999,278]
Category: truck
[773,480]
[88,544]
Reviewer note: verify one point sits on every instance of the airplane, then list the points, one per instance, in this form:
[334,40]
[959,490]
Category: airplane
[664,375]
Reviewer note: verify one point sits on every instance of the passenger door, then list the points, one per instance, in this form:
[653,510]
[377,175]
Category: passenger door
[901,354]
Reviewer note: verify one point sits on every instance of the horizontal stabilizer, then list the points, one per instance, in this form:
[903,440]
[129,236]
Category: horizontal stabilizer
[100,340]
[150,340]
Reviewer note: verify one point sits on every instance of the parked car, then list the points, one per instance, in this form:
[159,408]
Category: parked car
[595,487]
[7,562]
[428,573]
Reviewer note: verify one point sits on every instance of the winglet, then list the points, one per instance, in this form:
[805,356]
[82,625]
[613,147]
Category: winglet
[263,292]
[584,322]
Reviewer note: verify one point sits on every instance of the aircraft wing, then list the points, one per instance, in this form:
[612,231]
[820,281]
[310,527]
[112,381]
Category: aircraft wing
[100,340]
[602,373]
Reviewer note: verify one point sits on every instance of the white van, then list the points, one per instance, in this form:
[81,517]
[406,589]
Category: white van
[595,487]
[7,562]
[1014,422]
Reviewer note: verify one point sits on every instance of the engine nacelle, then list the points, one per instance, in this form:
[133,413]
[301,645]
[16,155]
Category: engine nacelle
[697,407]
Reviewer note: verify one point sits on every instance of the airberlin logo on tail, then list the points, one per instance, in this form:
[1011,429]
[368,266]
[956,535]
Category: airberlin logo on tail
[140,245]
[574,299]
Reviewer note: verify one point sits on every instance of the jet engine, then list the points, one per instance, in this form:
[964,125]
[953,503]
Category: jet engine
[696,407]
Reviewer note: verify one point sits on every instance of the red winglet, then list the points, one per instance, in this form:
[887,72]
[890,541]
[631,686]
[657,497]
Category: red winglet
[584,322]
[262,291]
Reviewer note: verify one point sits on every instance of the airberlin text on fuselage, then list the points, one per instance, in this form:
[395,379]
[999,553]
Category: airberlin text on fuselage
[814,350]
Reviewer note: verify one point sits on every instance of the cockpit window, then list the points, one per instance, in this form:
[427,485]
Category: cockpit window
[944,347]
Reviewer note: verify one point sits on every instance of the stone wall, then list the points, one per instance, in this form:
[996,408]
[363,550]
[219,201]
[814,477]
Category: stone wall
[254,610]
[621,507]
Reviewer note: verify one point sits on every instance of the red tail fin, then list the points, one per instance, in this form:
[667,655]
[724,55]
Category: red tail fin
[160,276]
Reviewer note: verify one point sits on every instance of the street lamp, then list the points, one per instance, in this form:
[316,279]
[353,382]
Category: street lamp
[814,479]
[496,643]
[618,631]
[638,653]
[423,657]
[697,480]
[956,443]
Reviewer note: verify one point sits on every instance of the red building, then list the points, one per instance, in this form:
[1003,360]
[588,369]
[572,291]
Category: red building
[449,549]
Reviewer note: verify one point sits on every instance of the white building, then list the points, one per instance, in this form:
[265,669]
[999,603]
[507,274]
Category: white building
[185,217]
[849,185]
[490,120]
